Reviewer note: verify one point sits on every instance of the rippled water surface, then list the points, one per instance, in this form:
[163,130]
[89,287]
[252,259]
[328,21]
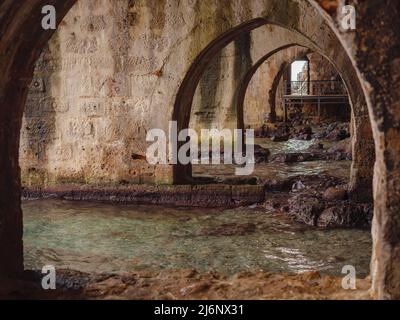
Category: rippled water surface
[95,237]
[339,169]
[285,147]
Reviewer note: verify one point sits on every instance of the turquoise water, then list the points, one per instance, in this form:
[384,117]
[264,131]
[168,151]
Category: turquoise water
[96,237]
[280,171]
[339,169]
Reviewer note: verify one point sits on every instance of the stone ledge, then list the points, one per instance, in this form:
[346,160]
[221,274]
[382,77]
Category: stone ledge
[212,195]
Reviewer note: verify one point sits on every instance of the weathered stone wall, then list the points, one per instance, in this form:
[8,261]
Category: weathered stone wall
[91,101]
[192,38]
[321,68]
[87,111]
[112,72]
[21,40]
[265,90]
[263,87]
[264,40]
[114,65]
[374,48]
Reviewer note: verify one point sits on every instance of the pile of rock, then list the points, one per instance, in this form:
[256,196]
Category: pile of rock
[332,209]
[336,131]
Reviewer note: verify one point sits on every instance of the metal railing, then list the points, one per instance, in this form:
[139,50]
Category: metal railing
[314,88]
[315,92]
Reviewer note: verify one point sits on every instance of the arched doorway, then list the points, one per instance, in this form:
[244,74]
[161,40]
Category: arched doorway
[22,39]
[362,147]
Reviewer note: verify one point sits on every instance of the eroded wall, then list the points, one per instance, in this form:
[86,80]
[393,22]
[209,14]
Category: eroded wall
[113,70]
[88,107]
[109,75]
[22,38]
[264,87]
[215,100]
[263,101]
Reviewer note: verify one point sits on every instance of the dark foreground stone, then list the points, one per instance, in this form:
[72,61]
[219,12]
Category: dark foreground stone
[213,195]
[315,211]
[183,284]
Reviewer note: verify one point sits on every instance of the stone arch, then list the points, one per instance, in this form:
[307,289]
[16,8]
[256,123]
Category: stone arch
[22,39]
[241,92]
[374,53]
[363,144]
[275,84]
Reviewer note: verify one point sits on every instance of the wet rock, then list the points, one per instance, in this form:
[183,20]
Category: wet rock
[332,194]
[274,130]
[320,136]
[282,138]
[263,132]
[317,147]
[314,182]
[339,157]
[336,131]
[306,137]
[306,130]
[305,133]
[306,208]
[284,158]
[275,185]
[272,205]
[298,186]
[331,127]
[346,214]
[295,157]
[246,195]
[343,134]
[317,211]
[236,180]
[261,155]
[338,134]
[221,195]
[201,195]
[343,147]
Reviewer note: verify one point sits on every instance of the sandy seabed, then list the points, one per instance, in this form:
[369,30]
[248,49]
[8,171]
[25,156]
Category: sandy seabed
[189,285]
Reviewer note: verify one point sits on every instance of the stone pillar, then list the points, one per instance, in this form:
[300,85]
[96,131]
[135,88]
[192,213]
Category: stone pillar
[274,91]
[12,99]
[386,225]
[375,50]
[11,250]
[361,176]
[377,55]
[21,40]
[385,266]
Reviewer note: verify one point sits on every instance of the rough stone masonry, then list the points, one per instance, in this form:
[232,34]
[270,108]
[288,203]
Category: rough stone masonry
[145,63]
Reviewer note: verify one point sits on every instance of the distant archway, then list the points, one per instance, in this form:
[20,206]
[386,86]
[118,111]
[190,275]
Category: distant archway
[363,144]
[22,39]
[249,75]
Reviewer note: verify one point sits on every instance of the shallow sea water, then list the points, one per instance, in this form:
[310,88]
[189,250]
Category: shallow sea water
[97,237]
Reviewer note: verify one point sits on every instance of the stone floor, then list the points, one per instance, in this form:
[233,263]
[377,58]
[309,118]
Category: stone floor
[189,285]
